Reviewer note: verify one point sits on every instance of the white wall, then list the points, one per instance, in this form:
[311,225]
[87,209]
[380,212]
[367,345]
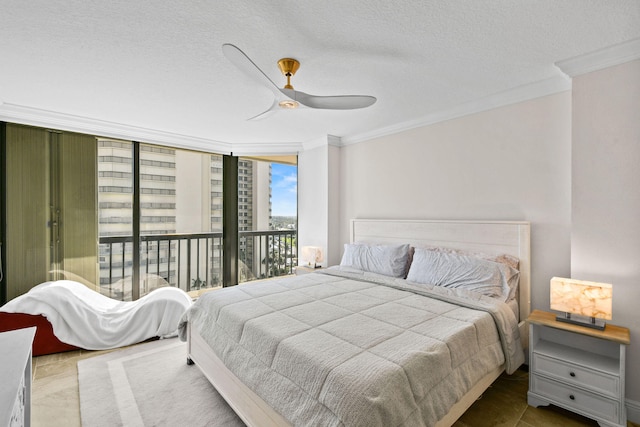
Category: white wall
[318,199]
[334,242]
[313,198]
[510,163]
[605,239]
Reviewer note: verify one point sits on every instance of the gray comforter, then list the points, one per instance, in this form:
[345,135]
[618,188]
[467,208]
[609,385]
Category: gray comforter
[356,349]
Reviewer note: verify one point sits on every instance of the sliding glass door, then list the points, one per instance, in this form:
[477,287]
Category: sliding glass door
[115,212]
[172,213]
[51,224]
[180,218]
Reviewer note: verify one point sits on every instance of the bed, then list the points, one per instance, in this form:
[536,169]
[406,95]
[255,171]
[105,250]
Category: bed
[326,367]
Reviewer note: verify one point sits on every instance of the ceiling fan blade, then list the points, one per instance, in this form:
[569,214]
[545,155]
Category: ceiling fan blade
[339,102]
[266,113]
[244,63]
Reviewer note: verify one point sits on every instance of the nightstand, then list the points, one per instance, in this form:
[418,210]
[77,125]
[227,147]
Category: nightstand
[303,269]
[15,377]
[578,368]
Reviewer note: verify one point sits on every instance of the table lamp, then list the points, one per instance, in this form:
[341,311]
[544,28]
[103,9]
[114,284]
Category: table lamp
[590,301]
[312,255]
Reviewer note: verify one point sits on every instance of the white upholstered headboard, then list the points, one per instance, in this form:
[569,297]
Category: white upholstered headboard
[489,237]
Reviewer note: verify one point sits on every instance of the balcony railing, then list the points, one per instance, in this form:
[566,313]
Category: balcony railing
[192,261]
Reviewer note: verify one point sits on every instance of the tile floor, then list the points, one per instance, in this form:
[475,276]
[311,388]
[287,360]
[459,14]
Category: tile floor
[56,401]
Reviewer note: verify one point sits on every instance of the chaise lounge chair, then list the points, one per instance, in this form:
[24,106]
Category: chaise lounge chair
[68,315]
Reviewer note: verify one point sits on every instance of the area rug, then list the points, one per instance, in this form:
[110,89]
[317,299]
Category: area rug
[149,384]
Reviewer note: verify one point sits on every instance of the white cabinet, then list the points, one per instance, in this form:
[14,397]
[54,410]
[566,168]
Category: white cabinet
[15,377]
[578,368]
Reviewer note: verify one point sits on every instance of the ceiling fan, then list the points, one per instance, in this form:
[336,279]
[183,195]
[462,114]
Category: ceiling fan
[287,97]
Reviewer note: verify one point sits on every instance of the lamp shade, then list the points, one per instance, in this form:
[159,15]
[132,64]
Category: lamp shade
[312,255]
[580,297]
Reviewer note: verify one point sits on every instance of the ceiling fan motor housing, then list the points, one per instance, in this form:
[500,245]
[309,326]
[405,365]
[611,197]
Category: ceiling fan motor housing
[288,67]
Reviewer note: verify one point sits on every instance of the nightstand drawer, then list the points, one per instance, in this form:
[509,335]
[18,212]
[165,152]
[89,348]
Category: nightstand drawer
[595,381]
[574,398]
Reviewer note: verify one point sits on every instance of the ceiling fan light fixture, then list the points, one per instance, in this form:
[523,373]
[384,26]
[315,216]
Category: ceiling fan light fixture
[287,97]
[289,104]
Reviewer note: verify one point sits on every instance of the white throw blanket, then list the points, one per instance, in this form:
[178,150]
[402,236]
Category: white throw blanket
[86,319]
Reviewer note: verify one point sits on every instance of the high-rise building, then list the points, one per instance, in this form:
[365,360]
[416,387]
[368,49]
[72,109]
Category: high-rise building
[180,194]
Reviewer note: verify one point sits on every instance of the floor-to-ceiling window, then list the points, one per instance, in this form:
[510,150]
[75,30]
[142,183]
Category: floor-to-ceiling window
[125,217]
[267,217]
[178,229]
[115,217]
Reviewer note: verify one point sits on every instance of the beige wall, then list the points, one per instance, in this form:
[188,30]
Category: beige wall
[569,163]
[510,163]
[605,239]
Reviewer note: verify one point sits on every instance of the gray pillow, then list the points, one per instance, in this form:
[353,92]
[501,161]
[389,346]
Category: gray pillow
[388,260]
[459,271]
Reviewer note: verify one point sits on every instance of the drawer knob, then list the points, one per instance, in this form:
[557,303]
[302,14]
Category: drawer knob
[573,374]
[572,397]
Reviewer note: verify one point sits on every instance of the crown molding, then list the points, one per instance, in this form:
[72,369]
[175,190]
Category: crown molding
[556,84]
[600,59]
[324,141]
[21,114]
[603,58]
[67,122]
[315,143]
[336,141]
[266,148]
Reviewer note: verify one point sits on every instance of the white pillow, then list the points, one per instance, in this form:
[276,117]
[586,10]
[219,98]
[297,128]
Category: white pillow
[510,260]
[389,260]
[460,271]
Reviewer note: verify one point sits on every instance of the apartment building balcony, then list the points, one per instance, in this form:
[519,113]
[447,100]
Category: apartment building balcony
[191,261]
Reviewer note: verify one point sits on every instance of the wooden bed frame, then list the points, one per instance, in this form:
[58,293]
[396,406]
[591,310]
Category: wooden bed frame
[488,237]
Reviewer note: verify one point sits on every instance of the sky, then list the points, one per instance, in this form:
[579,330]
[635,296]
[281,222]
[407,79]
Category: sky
[284,190]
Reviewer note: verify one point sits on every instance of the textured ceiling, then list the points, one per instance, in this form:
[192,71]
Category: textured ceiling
[159,64]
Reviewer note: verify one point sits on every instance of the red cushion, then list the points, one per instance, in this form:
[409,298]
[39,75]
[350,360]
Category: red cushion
[45,342]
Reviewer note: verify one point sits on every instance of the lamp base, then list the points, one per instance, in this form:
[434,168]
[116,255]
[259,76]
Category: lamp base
[588,322]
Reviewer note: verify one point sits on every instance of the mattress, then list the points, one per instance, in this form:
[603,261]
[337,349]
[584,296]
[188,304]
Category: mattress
[342,349]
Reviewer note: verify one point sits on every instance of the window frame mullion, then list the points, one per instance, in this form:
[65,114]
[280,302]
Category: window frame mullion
[230,238]
[135,270]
